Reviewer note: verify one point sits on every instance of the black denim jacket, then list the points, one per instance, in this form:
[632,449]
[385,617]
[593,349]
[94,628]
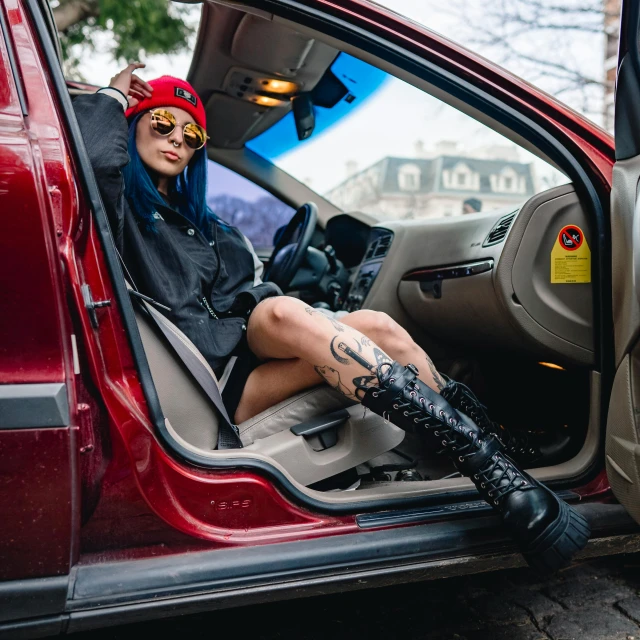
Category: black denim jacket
[210,285]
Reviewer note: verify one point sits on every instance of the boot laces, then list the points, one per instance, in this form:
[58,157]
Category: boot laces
[464,444]
[513,442]
[500,486]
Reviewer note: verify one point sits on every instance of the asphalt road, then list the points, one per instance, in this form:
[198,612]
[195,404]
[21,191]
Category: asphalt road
[597,600]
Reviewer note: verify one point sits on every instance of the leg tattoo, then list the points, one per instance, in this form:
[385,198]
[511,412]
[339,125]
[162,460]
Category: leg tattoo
[362,383]
[338,326]
[334,353]
[437,378]
[356,356]
[332,378]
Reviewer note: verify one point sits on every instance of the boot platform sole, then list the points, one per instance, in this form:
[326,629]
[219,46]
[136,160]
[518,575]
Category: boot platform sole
[554,548]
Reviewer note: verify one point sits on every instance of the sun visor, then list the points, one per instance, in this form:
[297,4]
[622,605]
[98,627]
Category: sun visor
[262,44]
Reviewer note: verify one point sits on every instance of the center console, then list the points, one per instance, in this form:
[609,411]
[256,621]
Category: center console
[379,243]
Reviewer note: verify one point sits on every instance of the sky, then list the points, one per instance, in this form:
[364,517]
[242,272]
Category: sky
[360,141]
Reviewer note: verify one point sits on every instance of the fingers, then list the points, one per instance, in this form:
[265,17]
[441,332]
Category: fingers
[140,86]
[134,65]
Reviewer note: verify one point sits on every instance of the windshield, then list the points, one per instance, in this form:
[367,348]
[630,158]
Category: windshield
[391,150]
[568,48]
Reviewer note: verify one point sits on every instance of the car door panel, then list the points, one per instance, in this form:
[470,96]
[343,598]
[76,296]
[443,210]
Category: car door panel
[501,295]
[622,451]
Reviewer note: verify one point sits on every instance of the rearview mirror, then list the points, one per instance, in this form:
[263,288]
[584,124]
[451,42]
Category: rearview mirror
[304,116]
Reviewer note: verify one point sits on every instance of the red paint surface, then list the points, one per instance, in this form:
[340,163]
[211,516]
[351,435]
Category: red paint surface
[35,503]
[137,499]
[37,466]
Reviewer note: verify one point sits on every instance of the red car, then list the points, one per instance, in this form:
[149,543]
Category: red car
[116,505]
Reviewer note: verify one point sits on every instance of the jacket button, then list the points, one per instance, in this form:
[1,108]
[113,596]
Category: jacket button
[211,243]
[190,232]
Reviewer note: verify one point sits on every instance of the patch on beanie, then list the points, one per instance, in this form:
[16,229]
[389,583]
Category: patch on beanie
[183,93]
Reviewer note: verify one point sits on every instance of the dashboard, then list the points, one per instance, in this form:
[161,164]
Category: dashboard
[483,279]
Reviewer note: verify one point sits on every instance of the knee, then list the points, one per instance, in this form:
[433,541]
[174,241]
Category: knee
[279,311]
[378,326]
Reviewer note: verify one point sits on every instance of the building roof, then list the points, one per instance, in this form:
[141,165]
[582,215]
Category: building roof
[431,170]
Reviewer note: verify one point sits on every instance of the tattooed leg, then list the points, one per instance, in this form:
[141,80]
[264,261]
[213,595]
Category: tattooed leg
[338,326]
[303,346]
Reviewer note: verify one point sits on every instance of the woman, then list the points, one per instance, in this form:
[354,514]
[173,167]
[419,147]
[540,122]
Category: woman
[147,142]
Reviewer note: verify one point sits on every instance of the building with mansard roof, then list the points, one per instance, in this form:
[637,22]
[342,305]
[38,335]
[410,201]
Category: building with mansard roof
[406,188]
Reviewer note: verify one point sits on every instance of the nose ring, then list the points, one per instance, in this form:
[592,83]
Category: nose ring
[175,144]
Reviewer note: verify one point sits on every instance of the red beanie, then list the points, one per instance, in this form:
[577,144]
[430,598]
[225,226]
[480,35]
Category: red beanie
[172,92]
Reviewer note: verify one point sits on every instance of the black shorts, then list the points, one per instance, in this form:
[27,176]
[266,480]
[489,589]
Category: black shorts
[246,362]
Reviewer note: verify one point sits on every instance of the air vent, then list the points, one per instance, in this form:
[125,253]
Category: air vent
[379,247]
[383,246]
[499,231]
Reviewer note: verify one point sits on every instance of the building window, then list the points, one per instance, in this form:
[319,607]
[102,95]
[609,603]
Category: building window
[461,177]
[507,181]
[409,177]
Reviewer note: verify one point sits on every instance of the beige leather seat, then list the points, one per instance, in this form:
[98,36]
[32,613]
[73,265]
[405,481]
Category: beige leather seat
[192,416]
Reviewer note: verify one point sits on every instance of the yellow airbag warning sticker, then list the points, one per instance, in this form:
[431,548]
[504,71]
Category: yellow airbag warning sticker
[570,257]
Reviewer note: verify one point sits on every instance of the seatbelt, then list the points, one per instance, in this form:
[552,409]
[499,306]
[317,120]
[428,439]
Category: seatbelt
[199,368]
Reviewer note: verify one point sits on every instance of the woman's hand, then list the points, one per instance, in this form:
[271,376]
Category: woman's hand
[133,87]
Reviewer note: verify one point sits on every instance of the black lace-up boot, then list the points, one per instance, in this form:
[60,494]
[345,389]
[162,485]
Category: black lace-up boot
[547,530]
[527,449]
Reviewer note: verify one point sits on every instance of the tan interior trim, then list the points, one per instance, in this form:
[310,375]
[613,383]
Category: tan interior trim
[574,467]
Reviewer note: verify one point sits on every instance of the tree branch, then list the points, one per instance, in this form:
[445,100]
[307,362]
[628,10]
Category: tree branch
[70,12]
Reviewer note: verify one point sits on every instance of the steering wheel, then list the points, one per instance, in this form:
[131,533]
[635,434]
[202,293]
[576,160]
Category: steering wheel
[288,254]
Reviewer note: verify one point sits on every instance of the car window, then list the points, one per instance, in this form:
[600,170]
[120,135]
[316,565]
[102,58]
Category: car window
[393,151]
[568,48]
[242,203]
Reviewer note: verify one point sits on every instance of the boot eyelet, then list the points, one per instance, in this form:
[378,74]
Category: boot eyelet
[476,477]
[422,400]
[523,484]
[412,394]
[375,394]
[415,420]
[496,502]
[395,406]
[431,407]
[442,414]
[482,485]
[444,443]
[392,380]
[405,413]
[436,433]
[461,458]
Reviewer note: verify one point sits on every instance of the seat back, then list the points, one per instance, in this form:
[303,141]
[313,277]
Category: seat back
[193,417]
[184,404]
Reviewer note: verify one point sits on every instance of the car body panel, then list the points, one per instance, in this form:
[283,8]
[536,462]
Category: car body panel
[139,496]
[38,480]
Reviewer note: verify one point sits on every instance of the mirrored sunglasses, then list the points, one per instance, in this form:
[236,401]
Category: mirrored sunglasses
[163,122]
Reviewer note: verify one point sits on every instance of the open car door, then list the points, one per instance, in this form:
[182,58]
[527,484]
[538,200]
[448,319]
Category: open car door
[623,434]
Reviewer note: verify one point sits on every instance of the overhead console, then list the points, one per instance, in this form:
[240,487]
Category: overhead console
[247,69]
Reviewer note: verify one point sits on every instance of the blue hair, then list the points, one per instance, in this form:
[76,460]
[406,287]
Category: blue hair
[190,188]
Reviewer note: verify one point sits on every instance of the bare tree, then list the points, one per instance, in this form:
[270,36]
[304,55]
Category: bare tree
[549,42]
